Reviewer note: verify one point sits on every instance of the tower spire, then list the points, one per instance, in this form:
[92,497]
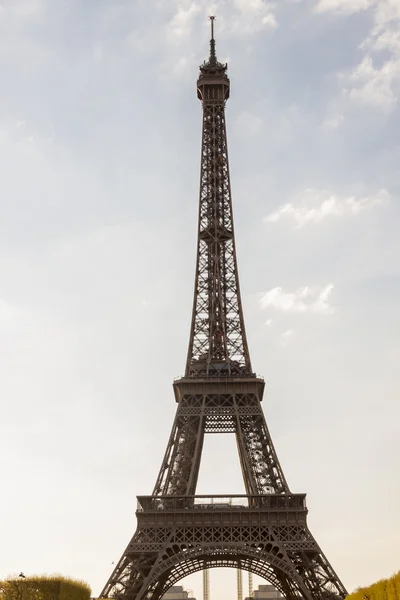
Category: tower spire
[218,345]
[213,57]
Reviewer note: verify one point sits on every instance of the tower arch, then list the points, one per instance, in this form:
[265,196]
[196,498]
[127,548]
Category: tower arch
[270,564]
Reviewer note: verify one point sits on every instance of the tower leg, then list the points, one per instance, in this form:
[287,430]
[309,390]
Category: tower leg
[239,582]
[262,472]
[206,583]
[250,585]
[180,467]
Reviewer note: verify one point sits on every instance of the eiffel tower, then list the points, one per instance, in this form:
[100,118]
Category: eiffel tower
[264,531]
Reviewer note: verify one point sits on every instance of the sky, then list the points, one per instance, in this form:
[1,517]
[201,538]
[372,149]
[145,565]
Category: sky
[100,132]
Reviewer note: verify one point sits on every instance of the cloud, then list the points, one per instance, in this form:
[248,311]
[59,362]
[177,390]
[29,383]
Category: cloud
[343,6]
[380,86]
[305,299]
[252,16]
[317,205]
[181,23]
[387,40]
[387,12]
[286,337]
[333,123]
[374,86]
[243,17]
[22,8]
[367,83]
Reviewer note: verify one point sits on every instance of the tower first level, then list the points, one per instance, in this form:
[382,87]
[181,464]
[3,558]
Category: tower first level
[264,534]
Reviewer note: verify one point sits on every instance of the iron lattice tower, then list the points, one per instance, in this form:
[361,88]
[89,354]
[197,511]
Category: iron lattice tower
[265,531]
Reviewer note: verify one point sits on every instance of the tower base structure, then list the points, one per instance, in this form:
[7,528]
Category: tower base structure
[264,534]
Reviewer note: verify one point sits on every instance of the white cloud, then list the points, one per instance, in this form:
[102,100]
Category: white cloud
[316,205]
[268,322]
[380,86]
[22,8]
[182,22]
[387,11]
[243,17]
[286,337]
[181,67]
[387,40]
[253,15]
[305,299]
[333,123]
[376,86]
[343,6]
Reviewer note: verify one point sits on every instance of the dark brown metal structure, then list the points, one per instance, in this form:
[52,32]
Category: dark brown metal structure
[265,531]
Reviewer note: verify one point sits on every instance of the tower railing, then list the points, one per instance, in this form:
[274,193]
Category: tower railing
[286,502]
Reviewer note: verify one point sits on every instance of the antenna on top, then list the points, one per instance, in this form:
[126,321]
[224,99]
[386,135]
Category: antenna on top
[212,19]
[213,57]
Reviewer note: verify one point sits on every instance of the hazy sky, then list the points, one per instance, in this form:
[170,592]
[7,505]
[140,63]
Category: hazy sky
[99,169]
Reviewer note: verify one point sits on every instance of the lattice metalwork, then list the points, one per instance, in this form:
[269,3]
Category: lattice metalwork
[240,414]
[264,532]
[266,535]
[218,342]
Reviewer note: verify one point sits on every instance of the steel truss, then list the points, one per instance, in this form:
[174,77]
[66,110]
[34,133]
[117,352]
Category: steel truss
[220,406]
[218,344]
[264,532]
[267,535]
